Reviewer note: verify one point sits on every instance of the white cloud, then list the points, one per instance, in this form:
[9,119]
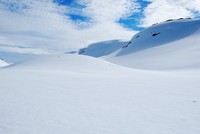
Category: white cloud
[161,10]
[42,25]
[108,10]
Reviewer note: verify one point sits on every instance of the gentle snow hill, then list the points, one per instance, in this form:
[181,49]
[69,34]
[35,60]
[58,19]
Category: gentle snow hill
[76,94]
[168,45]
[65,62]
[161,34]
[3,63]
[102,48]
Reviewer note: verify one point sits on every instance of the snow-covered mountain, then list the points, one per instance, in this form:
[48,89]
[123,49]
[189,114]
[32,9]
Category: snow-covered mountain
[102,48]
[169,45]
[161,34]
[172,44]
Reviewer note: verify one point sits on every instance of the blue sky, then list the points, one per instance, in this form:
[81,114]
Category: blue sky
[131,22]
[54,26]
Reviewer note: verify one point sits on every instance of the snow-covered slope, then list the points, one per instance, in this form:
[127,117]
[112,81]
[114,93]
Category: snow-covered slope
[3,63]
[76,94]
[169,45]
[102,48]
[65,62]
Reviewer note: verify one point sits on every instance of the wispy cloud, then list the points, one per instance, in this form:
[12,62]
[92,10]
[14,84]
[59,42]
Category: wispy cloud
[108,10]
[45,25]
[161,10]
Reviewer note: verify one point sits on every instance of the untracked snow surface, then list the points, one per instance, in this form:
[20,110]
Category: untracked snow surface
[156,91]
[59,94]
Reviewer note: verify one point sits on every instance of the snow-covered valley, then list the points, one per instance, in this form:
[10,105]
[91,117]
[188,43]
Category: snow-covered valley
[136,89]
